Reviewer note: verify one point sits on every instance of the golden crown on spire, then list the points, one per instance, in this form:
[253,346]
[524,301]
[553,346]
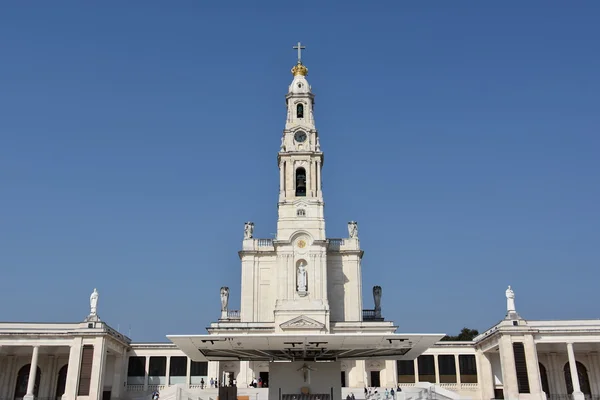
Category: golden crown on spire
[299,69]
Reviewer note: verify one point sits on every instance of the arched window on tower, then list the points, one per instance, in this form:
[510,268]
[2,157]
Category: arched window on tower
[300,110]
[300,182]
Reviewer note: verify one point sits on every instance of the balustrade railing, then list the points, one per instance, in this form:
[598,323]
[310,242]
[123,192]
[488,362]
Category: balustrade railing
[264,242]
[336,243]
[371,315]
[233,314]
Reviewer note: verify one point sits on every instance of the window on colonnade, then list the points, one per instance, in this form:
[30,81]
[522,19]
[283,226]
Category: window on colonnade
[199,371]
[157,371]
[468,368]
[406,371]
[136,370]
[426,368]
[447,367]
[178,370]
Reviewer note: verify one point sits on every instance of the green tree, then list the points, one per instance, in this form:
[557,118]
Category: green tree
[466,334]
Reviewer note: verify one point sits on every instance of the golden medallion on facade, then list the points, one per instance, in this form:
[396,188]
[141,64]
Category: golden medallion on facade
[301,244]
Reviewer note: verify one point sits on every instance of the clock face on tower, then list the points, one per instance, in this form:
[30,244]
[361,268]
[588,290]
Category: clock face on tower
[300,137]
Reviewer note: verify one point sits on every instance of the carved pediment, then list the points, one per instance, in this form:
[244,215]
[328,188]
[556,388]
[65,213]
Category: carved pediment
[302,322]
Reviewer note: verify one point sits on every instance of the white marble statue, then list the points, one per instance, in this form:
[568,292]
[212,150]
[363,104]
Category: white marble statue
[282,148]
[510,300]
[318,145]
[94,302]
[224,298]
[248,230]
[353,229]
[302,279]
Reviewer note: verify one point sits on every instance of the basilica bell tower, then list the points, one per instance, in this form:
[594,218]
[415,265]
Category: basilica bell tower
[300,161]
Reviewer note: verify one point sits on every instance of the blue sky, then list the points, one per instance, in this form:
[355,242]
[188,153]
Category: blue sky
[136,139]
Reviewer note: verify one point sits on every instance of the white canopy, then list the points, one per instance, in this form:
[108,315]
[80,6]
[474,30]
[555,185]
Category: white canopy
[298,347]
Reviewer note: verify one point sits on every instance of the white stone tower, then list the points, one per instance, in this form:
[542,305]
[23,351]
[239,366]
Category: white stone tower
[300,162]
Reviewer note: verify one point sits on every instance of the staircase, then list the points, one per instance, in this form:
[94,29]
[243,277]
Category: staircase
[420,391]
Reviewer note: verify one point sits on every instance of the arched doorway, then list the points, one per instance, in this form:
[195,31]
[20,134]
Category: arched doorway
[584,381]
[23,378]
[61,381]
[544,377]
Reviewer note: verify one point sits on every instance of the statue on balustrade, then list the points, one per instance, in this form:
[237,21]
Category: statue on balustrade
[224,298]
[353,229]
[510,300]
[377,300]
[248,230]
[94,302]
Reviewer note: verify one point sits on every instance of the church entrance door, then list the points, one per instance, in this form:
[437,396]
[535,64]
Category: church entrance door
[375,382]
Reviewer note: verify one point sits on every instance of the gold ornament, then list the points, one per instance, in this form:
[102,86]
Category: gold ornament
[299,69]
[301,244]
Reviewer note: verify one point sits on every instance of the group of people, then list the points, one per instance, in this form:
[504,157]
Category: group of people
[389,394]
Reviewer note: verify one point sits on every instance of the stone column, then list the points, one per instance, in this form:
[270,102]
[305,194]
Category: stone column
[416,367]
[146,373]
[98,366]
[555,377]
[5,383]
[577,394]
[360,374]
[188,373]
[168,372]
[3,371]
[436,367]
[533,368]
[509,372]
[213,371]
[242,378]
[457,368]
[595,378]
[117,384]
[485,375]
[32,374]
[50,377]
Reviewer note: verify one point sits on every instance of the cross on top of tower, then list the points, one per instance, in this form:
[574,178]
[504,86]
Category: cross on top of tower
[299,47]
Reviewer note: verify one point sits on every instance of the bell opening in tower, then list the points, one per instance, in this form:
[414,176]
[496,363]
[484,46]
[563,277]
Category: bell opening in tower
[300,111]
[300,182]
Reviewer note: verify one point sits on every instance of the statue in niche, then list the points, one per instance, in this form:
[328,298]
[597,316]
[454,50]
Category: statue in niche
[353,229]
[94,302]
[510,300]
[248,230]
[302,276]
[224,298]
[377,297]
